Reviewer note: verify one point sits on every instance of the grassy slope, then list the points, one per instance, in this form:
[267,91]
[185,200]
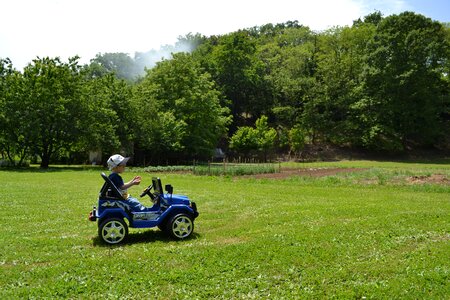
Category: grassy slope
[288,238]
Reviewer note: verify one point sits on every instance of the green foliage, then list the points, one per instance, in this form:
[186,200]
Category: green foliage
[121,64]
[404,81]
[13,124]
[159,132]
[328,112]
[244,140]
[297,139]
[188,103]
[265,136]
[381,84]
[106,121]
[57,109]
[131,69]
[51,106]
[235,67]
[261,138]
[290,58]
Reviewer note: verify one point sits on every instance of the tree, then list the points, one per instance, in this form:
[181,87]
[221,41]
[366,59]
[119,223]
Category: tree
[296,139]
[52,108]
[120,64]
[103,125]
[189,42]
[159,134]
[244,140]
[13,124]
[290,63]
[340,62]
[405,84]
[240,74]
[266,136]
[182,89]
[247,139]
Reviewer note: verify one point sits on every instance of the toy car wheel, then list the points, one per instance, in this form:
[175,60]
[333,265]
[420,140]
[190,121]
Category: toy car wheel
[162,226]
[113,231]
[180,226]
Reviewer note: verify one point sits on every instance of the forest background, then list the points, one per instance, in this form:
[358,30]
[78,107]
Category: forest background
[381,85]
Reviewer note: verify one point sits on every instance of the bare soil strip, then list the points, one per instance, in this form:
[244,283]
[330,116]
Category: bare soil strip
[312,172]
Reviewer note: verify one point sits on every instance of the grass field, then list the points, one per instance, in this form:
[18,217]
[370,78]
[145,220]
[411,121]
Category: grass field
[369,234]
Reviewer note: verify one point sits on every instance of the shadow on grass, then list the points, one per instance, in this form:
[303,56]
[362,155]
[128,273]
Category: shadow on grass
[147,236]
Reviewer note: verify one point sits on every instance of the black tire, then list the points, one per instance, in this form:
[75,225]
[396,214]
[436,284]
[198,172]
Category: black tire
[180,226]
[113,231]
[163,225]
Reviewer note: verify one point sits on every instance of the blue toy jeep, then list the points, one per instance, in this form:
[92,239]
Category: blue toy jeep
[174,214]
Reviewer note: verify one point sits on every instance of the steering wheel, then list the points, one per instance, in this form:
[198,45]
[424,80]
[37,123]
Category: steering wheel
[147,192]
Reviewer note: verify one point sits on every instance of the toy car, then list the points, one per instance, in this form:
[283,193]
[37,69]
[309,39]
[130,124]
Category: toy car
[174,214]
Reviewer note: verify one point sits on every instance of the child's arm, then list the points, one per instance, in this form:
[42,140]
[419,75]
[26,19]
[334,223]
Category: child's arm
[135,181]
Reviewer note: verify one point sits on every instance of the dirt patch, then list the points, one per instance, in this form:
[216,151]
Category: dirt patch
[311,172]
[433,179]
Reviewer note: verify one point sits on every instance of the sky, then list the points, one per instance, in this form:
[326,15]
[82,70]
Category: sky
[65,28]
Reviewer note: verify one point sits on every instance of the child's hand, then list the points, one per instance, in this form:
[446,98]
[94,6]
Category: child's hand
[137,180]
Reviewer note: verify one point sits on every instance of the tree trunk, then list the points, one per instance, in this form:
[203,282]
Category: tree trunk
[45,161]
[47,150]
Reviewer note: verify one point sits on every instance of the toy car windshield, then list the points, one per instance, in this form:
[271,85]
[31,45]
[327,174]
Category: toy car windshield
[157,186]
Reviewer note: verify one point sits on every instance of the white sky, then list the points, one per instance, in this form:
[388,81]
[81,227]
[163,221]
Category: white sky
[64,28]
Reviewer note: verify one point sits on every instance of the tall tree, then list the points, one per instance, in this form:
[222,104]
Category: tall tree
[52,106]
[120,64]
[108,121]
[329,109]
[266,136]
[240,74]
[159,134]
[13,123]
[180,87]
[405,86]
[289,60]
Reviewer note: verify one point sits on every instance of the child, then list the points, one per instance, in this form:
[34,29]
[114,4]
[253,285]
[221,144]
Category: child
[116,164]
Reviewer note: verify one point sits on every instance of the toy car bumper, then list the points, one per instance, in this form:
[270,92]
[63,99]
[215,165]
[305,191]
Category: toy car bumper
[194,208]
[93,215]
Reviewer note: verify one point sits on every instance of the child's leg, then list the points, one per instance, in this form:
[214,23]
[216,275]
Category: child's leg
[135,204]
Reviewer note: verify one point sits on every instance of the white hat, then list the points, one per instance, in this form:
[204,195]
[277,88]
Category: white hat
[117,160]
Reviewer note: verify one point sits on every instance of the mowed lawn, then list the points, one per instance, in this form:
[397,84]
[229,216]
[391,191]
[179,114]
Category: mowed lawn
[370,234]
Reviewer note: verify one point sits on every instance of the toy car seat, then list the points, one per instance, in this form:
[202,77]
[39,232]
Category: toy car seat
[109,190]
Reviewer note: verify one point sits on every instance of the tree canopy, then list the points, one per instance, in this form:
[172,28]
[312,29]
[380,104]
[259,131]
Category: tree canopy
[381,84]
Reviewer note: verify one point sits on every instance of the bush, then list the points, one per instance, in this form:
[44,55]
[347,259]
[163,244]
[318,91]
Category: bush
[8,163]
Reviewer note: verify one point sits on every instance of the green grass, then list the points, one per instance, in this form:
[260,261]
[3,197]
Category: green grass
[215,169]
[340,236]
[416,165]
[231,169]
